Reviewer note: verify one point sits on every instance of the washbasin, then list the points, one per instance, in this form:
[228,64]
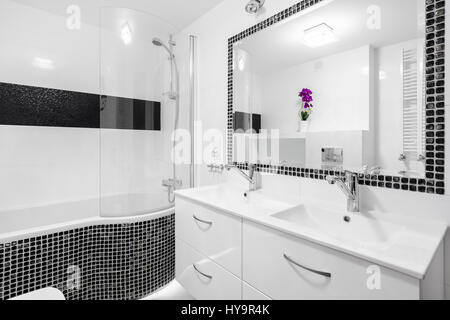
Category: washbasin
[238,201]
[359,229]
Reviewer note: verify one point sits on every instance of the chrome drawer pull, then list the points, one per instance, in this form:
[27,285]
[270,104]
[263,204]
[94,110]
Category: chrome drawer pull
[203,274]
[321,273]
[202,221]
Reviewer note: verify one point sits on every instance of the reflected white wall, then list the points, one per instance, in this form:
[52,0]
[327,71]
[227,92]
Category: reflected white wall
[341,92]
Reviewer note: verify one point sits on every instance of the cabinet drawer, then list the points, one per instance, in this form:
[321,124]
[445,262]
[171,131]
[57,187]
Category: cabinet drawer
[202,278]
[290,268]
[214,234]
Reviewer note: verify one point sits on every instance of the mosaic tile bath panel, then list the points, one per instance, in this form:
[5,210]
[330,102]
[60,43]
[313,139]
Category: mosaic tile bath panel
[102,262]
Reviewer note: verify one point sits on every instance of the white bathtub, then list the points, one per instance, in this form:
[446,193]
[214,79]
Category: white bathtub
[127,208]
[60,239]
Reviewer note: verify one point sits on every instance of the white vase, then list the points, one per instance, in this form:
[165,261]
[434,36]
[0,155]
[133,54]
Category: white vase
[303,126]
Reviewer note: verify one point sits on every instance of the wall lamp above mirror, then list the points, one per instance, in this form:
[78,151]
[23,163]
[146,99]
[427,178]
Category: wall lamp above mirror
[330,86]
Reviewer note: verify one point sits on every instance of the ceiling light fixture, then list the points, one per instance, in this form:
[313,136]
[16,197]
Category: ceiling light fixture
[319,36]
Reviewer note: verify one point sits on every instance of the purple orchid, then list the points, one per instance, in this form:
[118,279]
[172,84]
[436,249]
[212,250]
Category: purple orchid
[306,95]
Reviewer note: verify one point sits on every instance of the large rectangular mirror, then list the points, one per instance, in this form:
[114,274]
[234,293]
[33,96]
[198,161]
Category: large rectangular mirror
[342,85]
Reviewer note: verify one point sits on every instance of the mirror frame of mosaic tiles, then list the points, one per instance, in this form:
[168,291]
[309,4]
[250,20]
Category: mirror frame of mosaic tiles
[434,180]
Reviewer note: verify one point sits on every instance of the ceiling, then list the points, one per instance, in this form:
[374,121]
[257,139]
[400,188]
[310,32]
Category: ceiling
[281,46]
[179,13]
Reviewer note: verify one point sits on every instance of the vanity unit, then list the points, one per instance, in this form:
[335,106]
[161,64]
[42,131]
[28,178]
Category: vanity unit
[232,244]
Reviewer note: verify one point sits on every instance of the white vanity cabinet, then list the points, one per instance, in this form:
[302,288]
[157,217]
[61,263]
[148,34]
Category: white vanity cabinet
[208,252]
[226,256]
[287,267]
[203,278]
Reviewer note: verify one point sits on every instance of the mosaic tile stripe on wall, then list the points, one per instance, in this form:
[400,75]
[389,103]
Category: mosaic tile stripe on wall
[102,262]
[22,105]
[434,180]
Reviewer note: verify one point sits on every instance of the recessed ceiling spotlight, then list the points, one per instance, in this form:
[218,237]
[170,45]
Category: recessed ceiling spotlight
[319,35]
[254,6]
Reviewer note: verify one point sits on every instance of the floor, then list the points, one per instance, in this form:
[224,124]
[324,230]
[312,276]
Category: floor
[173,291]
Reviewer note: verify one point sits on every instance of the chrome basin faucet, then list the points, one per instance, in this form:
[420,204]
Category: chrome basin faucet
[350,187]
[253,177]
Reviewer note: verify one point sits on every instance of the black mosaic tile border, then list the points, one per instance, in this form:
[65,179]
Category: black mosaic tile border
[116,262]
[35,106]
[131,114]
[434,181]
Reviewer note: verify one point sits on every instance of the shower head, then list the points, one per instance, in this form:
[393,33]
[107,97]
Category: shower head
[159,43]
[254,6]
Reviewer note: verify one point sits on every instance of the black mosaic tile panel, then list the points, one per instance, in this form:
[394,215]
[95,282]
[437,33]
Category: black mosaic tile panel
[34,106]
[434,181]
[113,262]
[123,113]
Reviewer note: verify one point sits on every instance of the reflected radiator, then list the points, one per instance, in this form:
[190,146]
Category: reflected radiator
[413,117]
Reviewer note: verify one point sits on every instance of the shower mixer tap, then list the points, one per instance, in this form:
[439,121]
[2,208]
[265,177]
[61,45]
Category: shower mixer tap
[172,183]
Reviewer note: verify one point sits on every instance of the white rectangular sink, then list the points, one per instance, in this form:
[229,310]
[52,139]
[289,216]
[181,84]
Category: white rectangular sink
[237,201]
[355,228]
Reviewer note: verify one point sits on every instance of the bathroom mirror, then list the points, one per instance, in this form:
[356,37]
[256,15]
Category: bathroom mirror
[342,85]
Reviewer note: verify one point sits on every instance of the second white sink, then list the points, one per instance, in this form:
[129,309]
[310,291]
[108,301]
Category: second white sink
[355,228]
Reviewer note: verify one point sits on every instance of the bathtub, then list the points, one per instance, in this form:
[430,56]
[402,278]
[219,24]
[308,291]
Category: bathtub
[68,246]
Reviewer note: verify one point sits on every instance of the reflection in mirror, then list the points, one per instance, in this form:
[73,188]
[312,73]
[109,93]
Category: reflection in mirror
[339,85]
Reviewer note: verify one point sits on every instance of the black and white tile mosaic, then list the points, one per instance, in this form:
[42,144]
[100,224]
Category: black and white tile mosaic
[434,180]
[101,262]
[35,106]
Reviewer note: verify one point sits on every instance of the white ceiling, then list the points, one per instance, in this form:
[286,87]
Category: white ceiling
[179,13]
[281,46]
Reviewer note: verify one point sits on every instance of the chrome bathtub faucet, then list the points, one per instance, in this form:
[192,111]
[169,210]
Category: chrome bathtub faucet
[350,187]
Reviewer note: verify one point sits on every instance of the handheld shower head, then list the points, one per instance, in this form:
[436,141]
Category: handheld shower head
[159,43]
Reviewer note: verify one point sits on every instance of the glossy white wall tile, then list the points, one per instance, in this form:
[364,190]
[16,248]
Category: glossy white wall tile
[39,50]
[131,161]
[41,166]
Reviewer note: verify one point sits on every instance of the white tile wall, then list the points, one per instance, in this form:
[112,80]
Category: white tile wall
[41,166]
[28,34]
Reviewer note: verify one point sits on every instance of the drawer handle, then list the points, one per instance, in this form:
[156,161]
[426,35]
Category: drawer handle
[202,221]
[321,273]
[203,274]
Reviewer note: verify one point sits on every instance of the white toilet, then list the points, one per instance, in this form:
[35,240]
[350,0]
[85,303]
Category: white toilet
[42,294]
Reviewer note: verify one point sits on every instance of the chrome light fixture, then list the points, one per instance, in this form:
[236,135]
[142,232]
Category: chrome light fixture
[254,6]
